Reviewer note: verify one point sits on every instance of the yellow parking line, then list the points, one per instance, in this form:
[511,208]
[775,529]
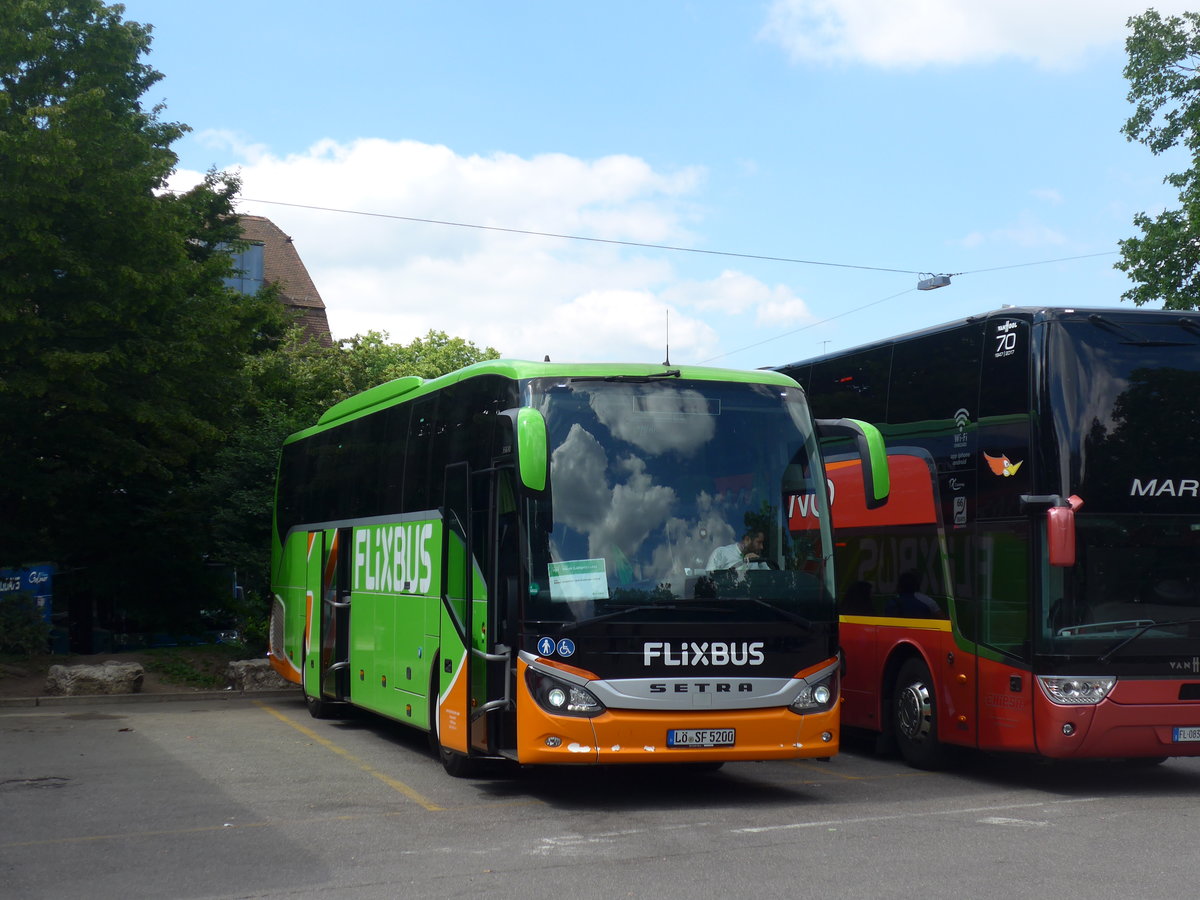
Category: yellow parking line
[374,773]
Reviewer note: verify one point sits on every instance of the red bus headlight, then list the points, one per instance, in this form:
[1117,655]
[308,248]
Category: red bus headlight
[1075,690]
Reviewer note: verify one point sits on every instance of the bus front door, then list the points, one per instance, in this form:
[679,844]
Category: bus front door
[474,716]
[335,619]
[326,625]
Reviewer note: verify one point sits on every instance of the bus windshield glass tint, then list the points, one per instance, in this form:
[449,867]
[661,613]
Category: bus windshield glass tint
[1124,395]
[678,500]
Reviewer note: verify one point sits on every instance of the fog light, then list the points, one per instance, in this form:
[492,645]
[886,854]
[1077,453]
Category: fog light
[557,697]
[1068,728]
[553,742]
[826,736]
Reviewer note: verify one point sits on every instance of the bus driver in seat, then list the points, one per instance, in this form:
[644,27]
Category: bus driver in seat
[909,602]
[743,555]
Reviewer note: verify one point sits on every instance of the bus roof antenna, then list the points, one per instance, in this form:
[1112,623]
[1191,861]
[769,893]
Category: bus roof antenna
[667,361]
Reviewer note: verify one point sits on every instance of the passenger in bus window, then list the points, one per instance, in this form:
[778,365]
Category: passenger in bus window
[909,602]
[857,601]
[745,554]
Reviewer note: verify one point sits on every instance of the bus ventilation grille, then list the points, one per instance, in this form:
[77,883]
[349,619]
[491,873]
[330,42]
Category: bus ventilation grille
[277,624]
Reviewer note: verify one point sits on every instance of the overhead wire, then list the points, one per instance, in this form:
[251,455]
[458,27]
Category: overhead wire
[824,321]
[577,237]
[678,249]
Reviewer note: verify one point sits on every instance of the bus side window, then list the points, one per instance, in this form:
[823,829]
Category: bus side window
[852,387]
[418,492]
[1003,589]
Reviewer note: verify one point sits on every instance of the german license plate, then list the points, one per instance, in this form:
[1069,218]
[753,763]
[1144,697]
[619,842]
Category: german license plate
[700,737]
[1186,734]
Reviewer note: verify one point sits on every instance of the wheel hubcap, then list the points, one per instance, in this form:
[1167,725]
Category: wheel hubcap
[913,712]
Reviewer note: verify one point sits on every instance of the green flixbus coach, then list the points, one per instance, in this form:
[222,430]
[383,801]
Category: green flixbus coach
[518,558]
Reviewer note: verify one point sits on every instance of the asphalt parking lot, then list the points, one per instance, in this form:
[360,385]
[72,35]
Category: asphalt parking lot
[250,797]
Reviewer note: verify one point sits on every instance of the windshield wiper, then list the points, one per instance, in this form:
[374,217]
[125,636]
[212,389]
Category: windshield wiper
[1131,337]
[640,607]
[786,613]
[631,379]
[1112,651]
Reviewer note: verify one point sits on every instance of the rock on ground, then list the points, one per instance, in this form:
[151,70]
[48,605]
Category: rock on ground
[110,677]
[254,675]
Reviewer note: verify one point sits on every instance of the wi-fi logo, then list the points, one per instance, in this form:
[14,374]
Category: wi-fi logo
[962,419]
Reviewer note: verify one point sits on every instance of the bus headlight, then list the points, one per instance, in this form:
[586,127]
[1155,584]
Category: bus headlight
[560,697]
[818,696]
[1075,690]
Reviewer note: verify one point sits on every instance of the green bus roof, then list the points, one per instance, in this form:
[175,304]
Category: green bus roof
[409,387]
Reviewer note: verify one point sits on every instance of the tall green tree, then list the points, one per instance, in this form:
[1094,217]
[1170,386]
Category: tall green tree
[292,385]
[121,351]
[1164,86]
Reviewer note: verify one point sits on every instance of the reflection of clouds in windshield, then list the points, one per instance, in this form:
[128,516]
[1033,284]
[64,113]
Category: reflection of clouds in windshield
[662,420]
[581,493]
[689,542]
[638,507]
[620,516]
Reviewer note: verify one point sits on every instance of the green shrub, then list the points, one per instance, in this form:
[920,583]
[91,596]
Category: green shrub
[23,630]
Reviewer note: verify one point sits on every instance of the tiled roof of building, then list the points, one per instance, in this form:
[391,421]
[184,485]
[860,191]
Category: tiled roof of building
[282,265]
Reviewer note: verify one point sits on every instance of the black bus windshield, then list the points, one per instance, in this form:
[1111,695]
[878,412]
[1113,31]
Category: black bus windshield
[671,497]
[1130,572]
[1124,402]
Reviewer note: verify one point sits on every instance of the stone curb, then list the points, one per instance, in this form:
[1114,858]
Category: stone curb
[164,697]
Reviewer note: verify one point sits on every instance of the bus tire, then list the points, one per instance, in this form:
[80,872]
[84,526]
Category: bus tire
[323,709]
[914,718]
[456,764]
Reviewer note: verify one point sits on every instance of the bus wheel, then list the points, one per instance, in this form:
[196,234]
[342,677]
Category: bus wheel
[323,709]
[914,718]
[456,764]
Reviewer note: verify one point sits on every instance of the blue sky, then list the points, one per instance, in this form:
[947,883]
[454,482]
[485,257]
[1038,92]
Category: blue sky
[941,136]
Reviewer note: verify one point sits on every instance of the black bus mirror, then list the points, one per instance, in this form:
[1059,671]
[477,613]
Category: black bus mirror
[871,450]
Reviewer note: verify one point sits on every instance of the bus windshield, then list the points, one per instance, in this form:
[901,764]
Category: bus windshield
[669,503]
[1132,572]
[1130,429]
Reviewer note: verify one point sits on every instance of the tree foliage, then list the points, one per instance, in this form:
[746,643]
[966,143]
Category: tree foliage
[121,351]
[1164,86]
[143,403]
[291,386]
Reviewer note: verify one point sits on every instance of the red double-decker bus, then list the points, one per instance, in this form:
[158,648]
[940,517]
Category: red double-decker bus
[1033,585]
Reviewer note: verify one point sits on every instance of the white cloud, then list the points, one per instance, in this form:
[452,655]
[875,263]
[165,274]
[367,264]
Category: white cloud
[738,294]
[525,295]
[1027,233]
[1050,195]
[910,33]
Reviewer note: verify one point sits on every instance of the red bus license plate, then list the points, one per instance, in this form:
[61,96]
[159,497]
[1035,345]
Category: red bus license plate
[1187,734]
[700,737]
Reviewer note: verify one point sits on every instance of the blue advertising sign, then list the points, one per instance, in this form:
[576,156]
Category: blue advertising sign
[36,581]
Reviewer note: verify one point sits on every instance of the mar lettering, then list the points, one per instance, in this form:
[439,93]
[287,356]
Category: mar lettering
[1166,487]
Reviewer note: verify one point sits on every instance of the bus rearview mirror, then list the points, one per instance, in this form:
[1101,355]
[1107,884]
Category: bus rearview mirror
[1060,533]
[871,450]
[532,444]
